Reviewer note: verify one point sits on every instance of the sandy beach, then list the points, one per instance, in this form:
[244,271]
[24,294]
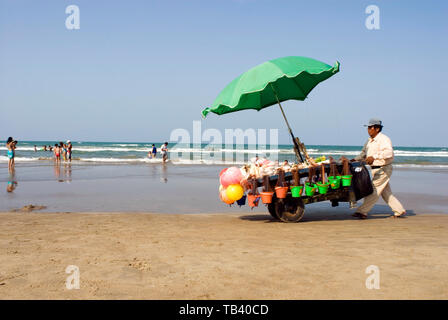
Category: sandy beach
[222,256]
[160,232]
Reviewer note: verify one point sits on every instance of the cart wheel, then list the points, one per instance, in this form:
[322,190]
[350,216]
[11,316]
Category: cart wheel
[290,209]
[272,209]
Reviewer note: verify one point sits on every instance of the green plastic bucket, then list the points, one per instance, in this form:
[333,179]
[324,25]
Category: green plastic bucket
[323,187]
[309,189]
[296,191]
[347,181]
[335,182]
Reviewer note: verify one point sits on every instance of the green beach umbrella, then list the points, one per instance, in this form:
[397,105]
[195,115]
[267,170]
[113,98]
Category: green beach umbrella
[274,81]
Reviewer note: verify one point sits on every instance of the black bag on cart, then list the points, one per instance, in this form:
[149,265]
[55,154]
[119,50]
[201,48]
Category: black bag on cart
[361,183]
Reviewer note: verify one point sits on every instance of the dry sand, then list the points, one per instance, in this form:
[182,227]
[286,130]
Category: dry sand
[221,256]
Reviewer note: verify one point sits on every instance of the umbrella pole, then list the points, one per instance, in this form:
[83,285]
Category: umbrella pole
[296,147]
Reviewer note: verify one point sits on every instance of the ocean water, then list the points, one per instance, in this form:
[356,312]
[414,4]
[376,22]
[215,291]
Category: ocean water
[136,152]
[116,177]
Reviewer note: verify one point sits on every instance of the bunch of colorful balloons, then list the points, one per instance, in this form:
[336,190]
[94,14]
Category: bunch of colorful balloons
[230,189]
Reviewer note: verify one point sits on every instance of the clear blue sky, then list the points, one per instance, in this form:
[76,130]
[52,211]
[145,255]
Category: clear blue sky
[138,69]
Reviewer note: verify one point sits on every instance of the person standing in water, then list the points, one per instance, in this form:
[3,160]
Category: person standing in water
[63,150]
[57,153]
[164,151]
[69,150]
[10,145]
[154,151]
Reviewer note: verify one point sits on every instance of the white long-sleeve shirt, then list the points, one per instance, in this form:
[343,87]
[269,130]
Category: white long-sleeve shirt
[380,148]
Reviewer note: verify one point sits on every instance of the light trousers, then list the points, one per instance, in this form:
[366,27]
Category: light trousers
[381,187]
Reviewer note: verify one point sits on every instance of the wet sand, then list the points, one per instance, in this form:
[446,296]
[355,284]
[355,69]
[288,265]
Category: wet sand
[174,189]
[222,256]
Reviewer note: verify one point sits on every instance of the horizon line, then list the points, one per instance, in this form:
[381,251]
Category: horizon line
[283,144]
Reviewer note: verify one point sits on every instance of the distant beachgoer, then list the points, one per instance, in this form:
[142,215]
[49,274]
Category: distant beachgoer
[63,150]
[57,153]
[50,148]
[379,154]
[10,145]
[154,151]
[164,151]
[260,161]
[256,161]
[44,148]
[69,150]
[286,166]
[35,148]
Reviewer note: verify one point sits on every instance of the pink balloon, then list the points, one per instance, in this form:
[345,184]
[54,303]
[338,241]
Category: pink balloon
[225,180]
[235,173]
[222,171]
[231,176]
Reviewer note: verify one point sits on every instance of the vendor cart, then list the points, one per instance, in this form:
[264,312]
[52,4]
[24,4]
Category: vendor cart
[270,83]
[292,209]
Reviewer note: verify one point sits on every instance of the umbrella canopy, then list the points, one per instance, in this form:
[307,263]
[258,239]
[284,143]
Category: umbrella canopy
[288,78]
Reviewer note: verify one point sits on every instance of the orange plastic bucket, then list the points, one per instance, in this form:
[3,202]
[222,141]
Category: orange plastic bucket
[266,197]
[281,192]
[252,200]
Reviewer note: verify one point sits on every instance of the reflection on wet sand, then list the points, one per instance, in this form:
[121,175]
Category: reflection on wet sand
[164,177]
[67,176]
[57,171]
[68,172]
[12,183]
[153,171]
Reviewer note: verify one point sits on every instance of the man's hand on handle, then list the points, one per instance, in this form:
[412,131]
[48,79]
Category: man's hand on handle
[369,160]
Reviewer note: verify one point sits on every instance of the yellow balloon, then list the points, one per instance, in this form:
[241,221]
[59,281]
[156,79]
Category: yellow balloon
[234,192]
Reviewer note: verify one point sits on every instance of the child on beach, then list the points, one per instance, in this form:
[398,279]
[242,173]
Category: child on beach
[154,151]
[11,145]
[57,153]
